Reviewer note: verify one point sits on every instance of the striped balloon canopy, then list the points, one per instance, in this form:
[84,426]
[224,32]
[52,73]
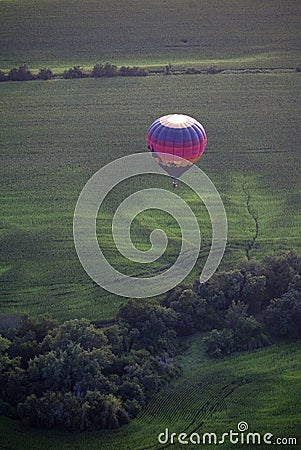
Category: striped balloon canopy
[174,136]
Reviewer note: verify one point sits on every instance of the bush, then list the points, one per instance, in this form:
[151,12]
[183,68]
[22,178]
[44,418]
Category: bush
[68,375]
[108,70]
[54,408]
[74,72]
[132,72]
[3,77]
[168,70]
[192,71]
[220,343]
[21,74]
[45,74]
[213,70]
[248,334]
[283,316]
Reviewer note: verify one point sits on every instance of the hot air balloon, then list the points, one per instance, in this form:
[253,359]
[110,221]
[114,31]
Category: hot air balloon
[173,136]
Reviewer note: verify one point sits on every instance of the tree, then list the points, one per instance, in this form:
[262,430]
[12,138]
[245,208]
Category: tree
[248,334]
[168,69]
[72,369]
[12,378]
[79,331]
[20,74]
[277,273]
[213,69]
[152,325]
[237,310]
[97,71]
[44,74]
[132,72]
[74,72]
[107,70]
[254,292]
[3,77]
[4,344]
[193,313]
[220,343]
[283,315]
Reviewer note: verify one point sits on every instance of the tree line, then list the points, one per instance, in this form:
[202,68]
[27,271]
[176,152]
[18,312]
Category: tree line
[82,375]
[23,73]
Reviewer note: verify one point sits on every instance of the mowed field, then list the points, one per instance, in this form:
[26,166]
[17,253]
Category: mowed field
[57,134]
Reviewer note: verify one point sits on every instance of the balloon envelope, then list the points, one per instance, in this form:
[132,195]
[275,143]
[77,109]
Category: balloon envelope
[174,136]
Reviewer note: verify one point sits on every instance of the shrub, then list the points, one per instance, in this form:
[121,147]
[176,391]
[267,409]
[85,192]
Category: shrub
[283,316]
[213,70]
[107,70]
[97,71]
[21,74]
[132,72]
[3,77]
[192,71]
[44,74]
[219,343]
[168,70]
[74,72]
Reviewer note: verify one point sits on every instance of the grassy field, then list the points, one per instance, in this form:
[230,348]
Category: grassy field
[261,388]
[60,33]
[56,134]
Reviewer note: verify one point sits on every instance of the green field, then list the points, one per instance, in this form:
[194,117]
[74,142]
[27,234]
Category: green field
[56,134]
[261,388]
[59,33]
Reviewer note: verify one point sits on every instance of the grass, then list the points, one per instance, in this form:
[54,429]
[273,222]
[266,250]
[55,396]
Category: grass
[63,33]
[56,134]
[261,388]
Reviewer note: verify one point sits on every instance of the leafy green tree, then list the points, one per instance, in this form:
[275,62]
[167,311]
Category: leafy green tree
[46,411]
[3,77]
[13,74]
[74,72]
[12,380]
[247,331]
[283,315]
[107,70]
[72,369]
[20,74]
[97,71]
[249,335]
[277,273]
[193,313]
[237,310]
[79,331]
[4,344]
[44,74]
[254,292]
[220,343]
[130,390]
[132,72]
[152,325]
